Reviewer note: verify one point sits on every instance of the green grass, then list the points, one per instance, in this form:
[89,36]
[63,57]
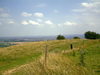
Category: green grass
[56,65]
[25,53]
[8,63]
[17,55]
[92,57]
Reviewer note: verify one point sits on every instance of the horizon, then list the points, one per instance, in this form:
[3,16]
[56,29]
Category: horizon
[19,18]
[43,35]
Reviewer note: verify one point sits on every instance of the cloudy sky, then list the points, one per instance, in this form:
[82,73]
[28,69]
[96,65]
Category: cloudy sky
[48,17]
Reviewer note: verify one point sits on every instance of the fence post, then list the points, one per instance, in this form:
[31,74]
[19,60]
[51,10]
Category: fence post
[82,57]
[71,46]
[45,60]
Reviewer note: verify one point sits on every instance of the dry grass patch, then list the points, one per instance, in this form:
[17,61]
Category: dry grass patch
[57,64]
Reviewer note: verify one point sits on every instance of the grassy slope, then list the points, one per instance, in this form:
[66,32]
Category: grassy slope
[21,54]
[57,65]
[17,55]
[92,56]
[24,53]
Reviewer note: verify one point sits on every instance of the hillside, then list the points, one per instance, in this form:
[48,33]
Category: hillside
[28,58]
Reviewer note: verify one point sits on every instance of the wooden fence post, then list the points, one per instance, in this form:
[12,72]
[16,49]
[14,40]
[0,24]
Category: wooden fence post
[82,57]
[45,60]
[71,46]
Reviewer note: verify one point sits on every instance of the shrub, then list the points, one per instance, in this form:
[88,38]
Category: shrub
[60,37]
[76,37]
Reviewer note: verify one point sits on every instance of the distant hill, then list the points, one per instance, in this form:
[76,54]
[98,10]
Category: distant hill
[36,38]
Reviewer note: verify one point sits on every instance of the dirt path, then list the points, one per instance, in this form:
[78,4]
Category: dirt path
[8,72]
[71,50]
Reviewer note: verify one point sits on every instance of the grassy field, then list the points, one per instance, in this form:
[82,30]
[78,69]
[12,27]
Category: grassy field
[28,58]
[91,57]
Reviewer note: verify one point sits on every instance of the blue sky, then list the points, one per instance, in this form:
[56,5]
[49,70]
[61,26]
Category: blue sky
[48,17]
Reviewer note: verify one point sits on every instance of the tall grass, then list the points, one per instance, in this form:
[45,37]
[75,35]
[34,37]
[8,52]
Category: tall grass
[56,65]
[17,59]
[26,52]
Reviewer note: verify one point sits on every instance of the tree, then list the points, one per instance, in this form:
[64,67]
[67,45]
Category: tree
[60,37]
[76,37]
[92,35]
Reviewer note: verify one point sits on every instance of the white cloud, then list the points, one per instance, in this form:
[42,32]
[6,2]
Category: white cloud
[48,22]
[5,17]
[25,14]
[59,25]
[38,14]
[93,4]
[92,7]
[33,22]
[30,22]
[25,22]
[39,20]
[4,14]
[89,14]
[11,22]
[79,10]
[87,4]
[96,11]
[69,23]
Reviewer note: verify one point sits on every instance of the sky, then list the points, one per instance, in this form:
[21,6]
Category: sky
[48,17]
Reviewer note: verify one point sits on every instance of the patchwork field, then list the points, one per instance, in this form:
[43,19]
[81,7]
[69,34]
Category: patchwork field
[29,58]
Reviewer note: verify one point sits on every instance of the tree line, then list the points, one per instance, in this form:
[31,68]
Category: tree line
[88,35]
